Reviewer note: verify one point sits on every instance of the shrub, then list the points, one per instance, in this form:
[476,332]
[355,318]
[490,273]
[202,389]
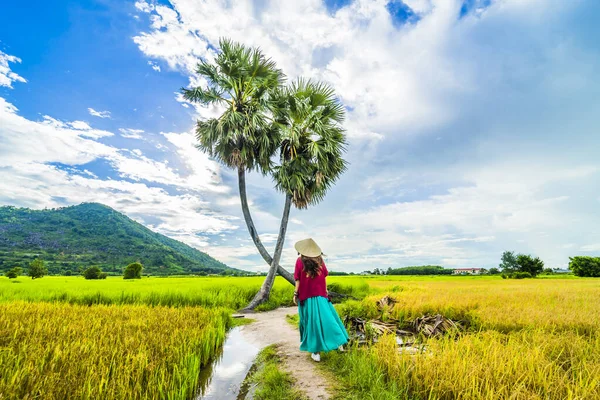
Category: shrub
[13,273]
[493,271]
[585,266]
[548,271]
[520,275]
[133,271]
[94,273]
[37,269]
[504,276]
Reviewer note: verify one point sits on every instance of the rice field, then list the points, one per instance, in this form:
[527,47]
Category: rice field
[64,351]
[65,337]
[528,339]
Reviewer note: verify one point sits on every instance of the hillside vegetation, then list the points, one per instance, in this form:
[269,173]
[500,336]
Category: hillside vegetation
[73,238]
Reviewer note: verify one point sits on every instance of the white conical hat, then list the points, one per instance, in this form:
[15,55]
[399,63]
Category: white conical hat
[308,248]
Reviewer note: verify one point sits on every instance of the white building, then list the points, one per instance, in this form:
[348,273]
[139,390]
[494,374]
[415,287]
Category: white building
[469,271]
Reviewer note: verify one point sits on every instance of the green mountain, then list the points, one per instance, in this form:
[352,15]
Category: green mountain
[73,238]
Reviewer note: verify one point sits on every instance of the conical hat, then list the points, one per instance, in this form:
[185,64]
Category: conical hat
[308,248]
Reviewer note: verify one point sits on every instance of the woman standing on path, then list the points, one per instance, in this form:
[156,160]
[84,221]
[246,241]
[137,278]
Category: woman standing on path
[320,326]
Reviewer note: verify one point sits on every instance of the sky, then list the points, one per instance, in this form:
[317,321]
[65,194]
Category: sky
[473,125]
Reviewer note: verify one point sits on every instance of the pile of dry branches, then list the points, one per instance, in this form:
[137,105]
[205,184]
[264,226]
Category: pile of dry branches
[365,331]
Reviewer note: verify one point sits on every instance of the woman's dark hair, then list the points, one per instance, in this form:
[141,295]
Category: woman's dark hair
[312,265]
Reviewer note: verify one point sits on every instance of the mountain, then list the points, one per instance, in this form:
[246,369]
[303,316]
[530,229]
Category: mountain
[72,238]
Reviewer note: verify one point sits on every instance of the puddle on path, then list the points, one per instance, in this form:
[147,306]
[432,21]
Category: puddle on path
[222,378]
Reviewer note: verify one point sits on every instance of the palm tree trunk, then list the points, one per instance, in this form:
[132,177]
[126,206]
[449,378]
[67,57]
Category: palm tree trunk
[265,290]
[255,237]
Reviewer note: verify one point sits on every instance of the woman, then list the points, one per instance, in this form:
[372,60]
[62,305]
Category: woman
[320,326]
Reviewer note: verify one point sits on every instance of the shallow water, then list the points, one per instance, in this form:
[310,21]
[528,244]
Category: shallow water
[223,377]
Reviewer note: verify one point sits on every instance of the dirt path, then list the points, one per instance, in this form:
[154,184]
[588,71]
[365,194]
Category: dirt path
[272,328]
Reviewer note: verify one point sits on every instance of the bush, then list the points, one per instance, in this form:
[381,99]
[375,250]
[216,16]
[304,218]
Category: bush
[133,271]
[504,276]
[585,266]
[94,273]
[13,273]
[37,269]
[520,275]
[548,271]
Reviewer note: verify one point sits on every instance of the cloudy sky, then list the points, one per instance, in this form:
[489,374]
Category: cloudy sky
[474,125]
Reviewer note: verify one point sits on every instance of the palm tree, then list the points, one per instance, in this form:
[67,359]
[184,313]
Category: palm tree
[308,117]
[259,119]
[242,80]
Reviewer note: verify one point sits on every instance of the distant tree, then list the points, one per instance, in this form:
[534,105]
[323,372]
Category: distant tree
[37,268]
[14,272]
[493,271]
[133,271]
[585,266]
[94,273]
[526,263]
[509,262]
[376,271]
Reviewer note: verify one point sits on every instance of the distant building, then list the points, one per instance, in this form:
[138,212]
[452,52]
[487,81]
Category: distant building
[469,271]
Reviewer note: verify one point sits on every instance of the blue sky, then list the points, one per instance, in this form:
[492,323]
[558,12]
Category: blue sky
[473,125]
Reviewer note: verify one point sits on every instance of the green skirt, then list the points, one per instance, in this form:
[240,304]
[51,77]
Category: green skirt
[321,329]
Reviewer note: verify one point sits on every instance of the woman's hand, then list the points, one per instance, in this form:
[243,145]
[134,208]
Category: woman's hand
[295,300]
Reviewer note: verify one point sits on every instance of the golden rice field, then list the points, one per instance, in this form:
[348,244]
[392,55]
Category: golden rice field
[64,337]
[529,339]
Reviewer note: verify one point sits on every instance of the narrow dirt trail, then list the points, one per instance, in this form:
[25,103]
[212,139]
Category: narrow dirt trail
[272,328]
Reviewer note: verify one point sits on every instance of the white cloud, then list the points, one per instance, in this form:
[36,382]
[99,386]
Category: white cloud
[99,114]
[131,133]
[7,77]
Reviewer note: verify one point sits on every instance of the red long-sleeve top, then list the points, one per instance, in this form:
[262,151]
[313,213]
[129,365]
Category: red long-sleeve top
[310,287]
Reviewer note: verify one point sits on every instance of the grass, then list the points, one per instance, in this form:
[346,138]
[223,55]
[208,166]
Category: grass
[271,382]
[229,292]
[60,351]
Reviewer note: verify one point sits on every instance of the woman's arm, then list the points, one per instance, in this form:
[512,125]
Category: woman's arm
[296,292]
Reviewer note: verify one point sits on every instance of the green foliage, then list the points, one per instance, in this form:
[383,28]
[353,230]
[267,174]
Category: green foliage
[512,263]
[37,269]
[529,264]
[14,272]
[309,115]
[75,238]
[420,270]
[133,271]
[585,266]
[94,273]
[493,271]
[241,80]
[509,262]
[520,275]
